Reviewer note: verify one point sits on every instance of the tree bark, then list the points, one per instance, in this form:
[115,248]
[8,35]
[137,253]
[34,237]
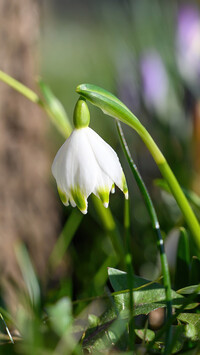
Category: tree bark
[28,210]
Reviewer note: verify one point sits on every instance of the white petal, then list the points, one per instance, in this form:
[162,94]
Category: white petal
[102,187]
[86,164]
[64,198]
[107,159]
[74,164]
[73,204]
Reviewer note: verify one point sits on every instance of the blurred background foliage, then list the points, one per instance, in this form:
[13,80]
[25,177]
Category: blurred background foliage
[148,54]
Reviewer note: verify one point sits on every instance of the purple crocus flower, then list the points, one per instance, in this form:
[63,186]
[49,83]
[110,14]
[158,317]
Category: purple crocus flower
[188,43]
[154,81]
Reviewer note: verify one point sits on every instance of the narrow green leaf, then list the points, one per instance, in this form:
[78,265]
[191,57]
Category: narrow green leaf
[106,220]
[182,260]
[192,196]
[22,89]
[28,273]
[7,329]
[101,275]
[195,271]
[162,184]
[55,110]
[177,341]
[189,289]
[68,232]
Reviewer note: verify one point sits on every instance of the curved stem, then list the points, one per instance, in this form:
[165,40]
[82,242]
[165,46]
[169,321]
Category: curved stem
[174,186]
[113,107]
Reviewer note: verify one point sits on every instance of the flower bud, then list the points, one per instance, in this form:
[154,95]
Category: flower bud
[81,114]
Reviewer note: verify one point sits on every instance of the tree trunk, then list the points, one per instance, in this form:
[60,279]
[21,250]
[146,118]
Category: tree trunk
[28,209]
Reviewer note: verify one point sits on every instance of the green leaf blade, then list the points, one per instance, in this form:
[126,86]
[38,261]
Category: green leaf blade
[182,260]
[148,295]
[189,290]
[195,271]
[55,110]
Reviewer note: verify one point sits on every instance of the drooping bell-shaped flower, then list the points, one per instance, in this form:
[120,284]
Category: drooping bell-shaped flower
[86,164]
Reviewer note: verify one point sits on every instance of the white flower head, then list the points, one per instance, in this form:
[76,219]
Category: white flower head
[86,164]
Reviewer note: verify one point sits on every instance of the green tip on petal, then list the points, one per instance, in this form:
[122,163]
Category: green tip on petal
[63,197]
[104,196]
[124,187]
[81,114]
[126,195]
[73,204]
[79,199]
[113,189]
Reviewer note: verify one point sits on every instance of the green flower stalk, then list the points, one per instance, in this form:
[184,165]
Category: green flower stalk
[130,273]
[156,226]
[113,107]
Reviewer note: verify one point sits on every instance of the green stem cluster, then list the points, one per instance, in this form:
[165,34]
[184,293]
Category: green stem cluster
[130,273]
[156,226]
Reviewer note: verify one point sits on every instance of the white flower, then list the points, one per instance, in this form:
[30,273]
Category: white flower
[86,164]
